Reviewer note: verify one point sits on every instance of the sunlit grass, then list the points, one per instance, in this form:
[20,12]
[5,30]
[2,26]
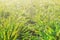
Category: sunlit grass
[29,20]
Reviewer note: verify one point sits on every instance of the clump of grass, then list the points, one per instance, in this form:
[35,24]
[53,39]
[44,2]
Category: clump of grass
[39,21]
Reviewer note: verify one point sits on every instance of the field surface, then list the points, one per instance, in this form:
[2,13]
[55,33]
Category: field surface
[29,19]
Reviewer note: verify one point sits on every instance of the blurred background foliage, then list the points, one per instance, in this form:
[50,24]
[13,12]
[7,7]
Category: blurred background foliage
[29,19]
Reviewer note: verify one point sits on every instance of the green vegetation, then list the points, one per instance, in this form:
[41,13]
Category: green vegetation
[30,20]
